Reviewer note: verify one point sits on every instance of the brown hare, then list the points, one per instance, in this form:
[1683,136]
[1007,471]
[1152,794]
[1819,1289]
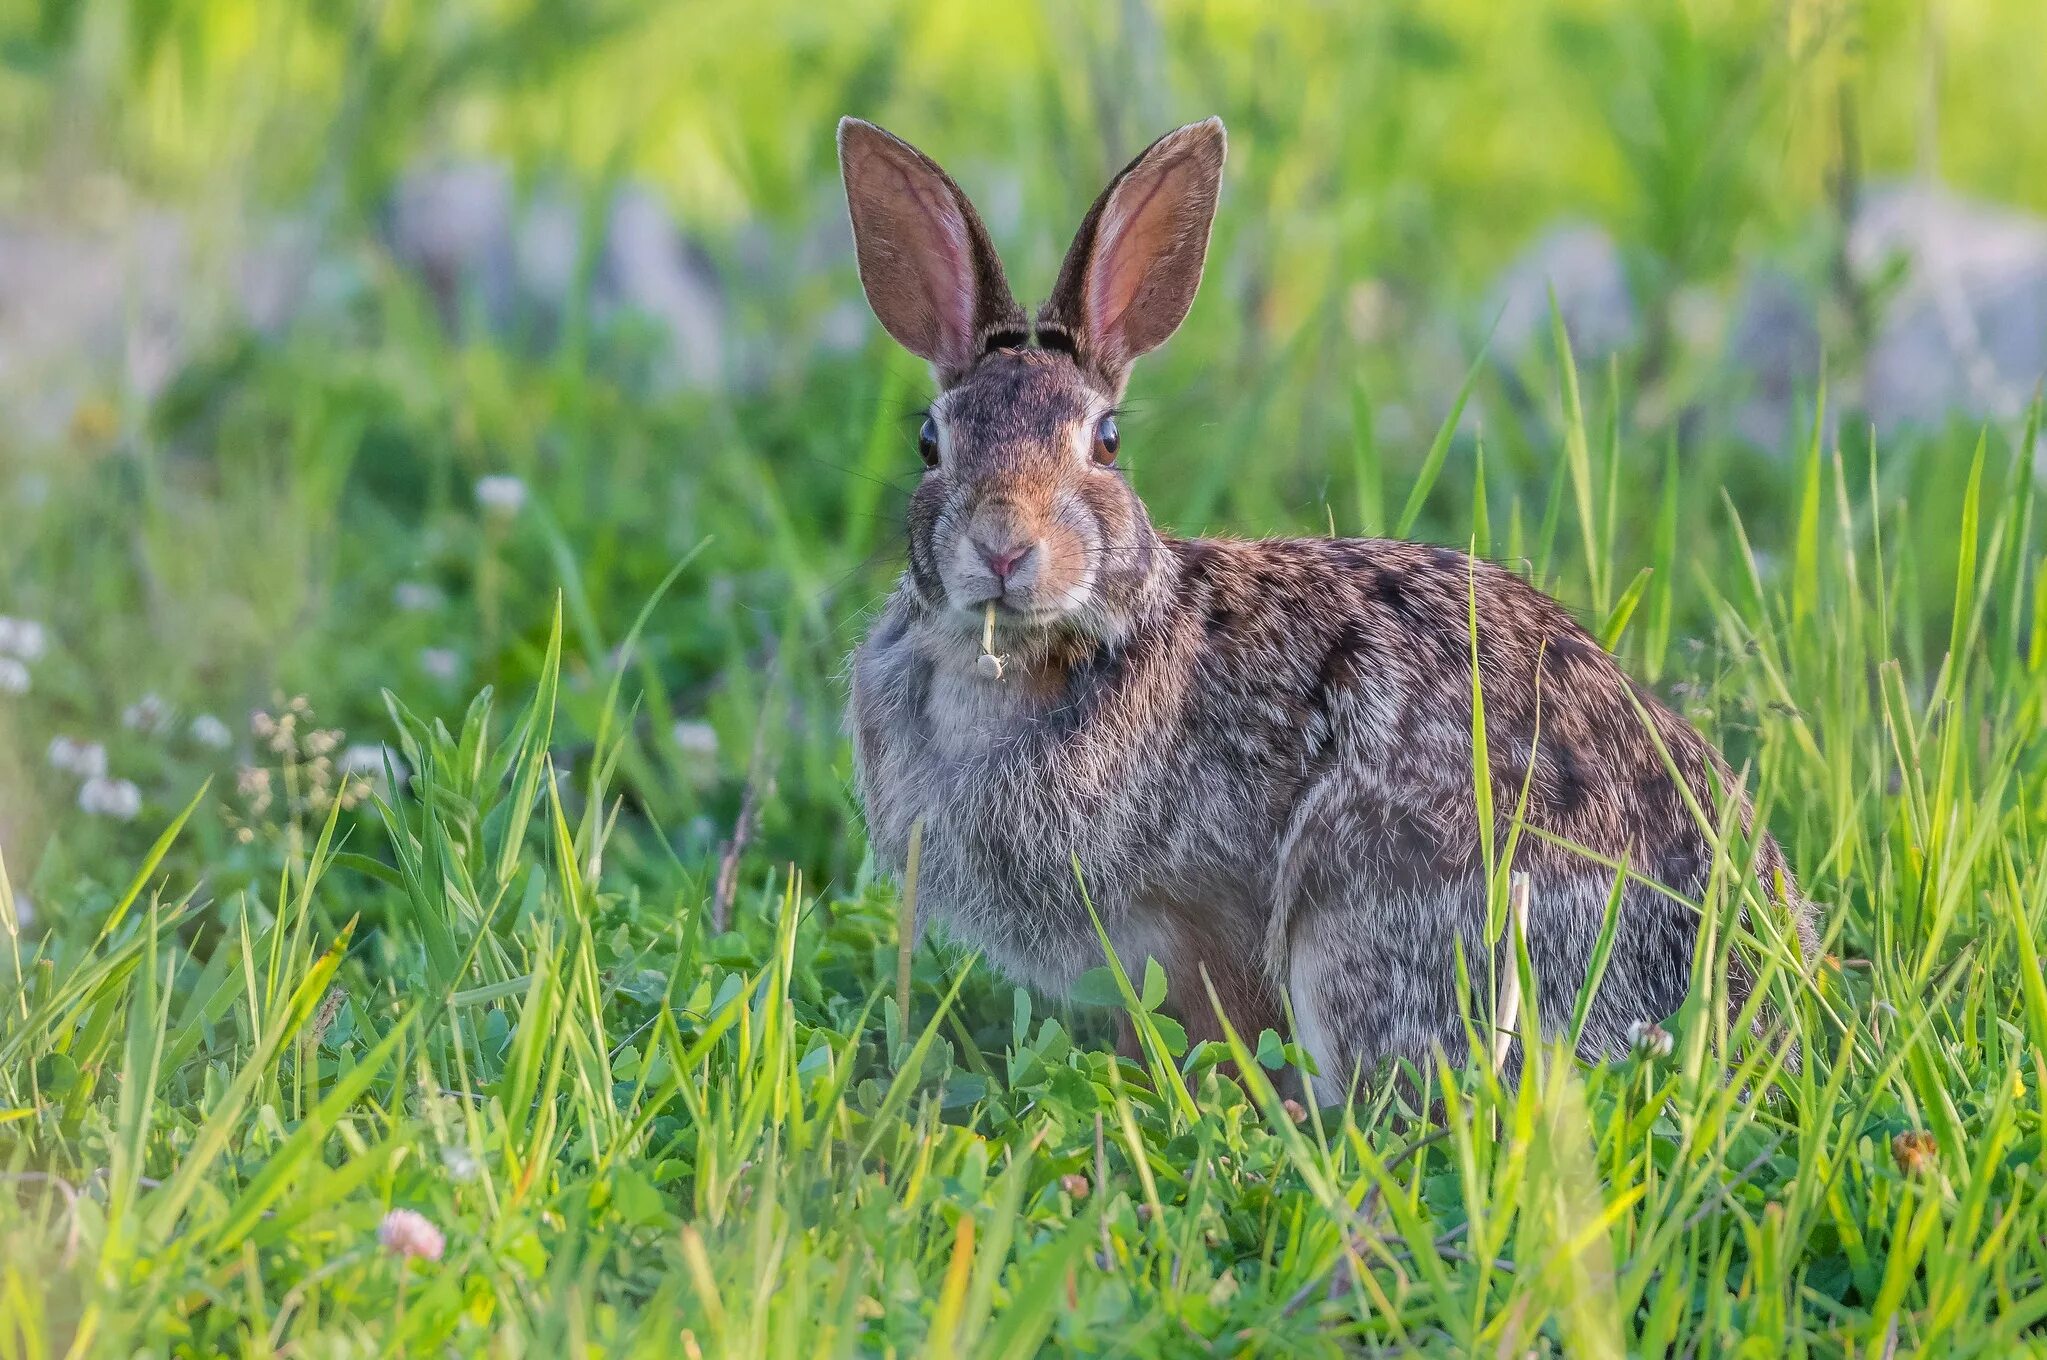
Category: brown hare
[1258,753]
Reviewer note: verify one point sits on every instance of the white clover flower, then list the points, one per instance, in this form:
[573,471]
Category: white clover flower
[694,737]
[211,732]
[417,597]
[1650,1040]
[441,663]
[13,676]
[461,1163]
[115,798]
[411,1234]
[22,638]
[147,715]
[501,495]
[86,759]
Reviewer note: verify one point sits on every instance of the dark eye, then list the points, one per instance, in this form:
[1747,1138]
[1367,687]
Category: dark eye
[927,442]
[1106,441]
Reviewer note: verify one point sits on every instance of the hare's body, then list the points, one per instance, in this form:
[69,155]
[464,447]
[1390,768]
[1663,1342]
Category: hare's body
[1256,756]
[1270,778]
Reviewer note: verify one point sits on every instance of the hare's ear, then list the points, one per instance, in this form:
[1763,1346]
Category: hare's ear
[1131,273]
[931,274]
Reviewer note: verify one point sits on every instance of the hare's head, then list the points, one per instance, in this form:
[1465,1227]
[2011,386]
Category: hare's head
[1022,504]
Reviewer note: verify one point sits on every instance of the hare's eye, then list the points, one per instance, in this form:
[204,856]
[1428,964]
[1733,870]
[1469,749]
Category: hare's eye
[1106,441]
[927,442]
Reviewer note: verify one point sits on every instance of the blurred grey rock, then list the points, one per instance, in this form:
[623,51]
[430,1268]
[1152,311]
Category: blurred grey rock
[453,224]
[1963,332]
[1581,263]
[99,310]
[651,268]
[1772,360]
[485,250]
[107,306]
[548,248]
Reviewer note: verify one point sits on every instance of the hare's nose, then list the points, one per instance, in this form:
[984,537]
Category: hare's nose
[1004,561]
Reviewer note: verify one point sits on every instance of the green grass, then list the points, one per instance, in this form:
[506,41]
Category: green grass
[245,1026]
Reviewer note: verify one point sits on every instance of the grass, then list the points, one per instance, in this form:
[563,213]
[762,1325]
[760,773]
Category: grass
[484,979]
[498,1001]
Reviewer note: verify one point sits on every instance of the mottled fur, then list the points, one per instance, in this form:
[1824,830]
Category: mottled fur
[1257,755]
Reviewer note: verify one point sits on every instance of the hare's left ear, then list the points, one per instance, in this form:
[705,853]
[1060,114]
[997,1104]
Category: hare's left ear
[1134,266]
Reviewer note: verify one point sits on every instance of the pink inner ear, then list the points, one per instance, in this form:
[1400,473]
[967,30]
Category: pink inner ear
[929,243]
[1135,233]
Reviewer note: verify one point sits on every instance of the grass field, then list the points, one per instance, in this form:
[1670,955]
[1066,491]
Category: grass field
[391,692]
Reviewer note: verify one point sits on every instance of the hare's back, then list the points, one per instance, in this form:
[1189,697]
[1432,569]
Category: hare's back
[1352,659]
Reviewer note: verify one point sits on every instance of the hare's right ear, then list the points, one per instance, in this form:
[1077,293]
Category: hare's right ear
[930,272]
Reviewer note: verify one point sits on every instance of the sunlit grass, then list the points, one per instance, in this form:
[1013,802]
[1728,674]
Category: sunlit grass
[501,1006]
[241,1029]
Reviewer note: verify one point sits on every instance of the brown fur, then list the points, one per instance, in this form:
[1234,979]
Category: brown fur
[1256,755]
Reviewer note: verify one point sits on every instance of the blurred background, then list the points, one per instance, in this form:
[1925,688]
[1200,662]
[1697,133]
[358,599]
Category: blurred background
[335,340]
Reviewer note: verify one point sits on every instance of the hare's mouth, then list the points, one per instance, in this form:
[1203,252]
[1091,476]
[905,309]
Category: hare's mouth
[1011,614]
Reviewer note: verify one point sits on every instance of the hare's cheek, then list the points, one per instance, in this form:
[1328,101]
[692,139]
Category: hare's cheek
[1069,561]
[930,537]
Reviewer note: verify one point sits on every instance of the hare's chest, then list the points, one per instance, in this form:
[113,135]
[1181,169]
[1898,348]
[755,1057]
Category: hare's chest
[935,743]
[973,723]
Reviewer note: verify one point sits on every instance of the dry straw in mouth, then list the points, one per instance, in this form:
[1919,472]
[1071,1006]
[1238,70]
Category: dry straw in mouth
[988,663]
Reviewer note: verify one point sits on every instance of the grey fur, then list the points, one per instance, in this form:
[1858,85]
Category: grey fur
[1258,754]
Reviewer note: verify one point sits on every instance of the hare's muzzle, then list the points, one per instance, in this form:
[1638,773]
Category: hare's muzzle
[1001,555]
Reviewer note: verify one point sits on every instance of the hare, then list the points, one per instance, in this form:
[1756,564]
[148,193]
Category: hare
[1253,758]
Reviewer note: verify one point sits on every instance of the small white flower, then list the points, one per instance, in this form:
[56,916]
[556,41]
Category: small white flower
[13,676]
[146,715]
[416,597]
[365,760]
[409,1233]
[694,737]
[1650,1040]
[501,495]
[22,638]
[211,732]
[115,798]
[441,663]
[86,759]
[461,1163]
